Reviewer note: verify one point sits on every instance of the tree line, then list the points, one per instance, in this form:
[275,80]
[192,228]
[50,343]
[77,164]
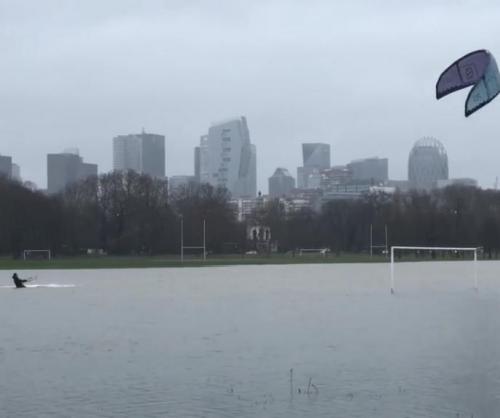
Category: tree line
[133,214]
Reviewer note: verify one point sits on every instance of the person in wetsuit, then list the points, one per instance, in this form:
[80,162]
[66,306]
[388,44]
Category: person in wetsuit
[18,282]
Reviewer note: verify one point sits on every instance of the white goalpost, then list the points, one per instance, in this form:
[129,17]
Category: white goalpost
[27,254]
[202,247]
[431,249]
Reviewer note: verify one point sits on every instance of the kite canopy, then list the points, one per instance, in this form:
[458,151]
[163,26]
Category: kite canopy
[478,69]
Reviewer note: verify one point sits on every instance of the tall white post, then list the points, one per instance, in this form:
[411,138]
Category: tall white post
[386,240]
[204,241]
[371,240]
[475,270]
[392,270]
[182,239]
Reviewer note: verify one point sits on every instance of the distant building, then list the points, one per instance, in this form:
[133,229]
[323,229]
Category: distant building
[315,157]
[457,182]
[127,153]
[281,183]
[143,153]
[5,166]
[16,172]
[305,198]
[176,182]
[335,176]
[427,164]
[243,208]
[369,170]
[64,169]
[87,170]
[228,159]
[355,191]
[400,185]
[197,164]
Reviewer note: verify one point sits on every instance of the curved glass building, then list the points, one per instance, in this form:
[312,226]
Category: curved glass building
[427,163]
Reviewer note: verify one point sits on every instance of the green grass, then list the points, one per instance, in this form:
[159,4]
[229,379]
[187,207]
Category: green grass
[104,262]
[116,262]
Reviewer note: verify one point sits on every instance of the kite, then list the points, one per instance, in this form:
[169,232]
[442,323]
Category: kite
[478,69]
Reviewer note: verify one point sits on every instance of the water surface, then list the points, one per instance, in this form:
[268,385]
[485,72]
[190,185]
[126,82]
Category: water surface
[221,342]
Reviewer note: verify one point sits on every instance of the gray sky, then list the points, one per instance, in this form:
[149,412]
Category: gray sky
[359,75]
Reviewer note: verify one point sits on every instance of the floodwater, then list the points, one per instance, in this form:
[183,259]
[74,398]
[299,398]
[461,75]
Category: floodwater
[253,341]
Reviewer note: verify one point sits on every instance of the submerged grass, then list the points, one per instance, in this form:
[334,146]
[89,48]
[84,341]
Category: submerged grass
[115,262]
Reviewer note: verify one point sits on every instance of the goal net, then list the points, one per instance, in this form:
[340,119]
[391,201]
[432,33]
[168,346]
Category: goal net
[37,255]
[434,253]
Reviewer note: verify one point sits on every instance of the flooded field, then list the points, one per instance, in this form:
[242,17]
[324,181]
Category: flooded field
[253,341]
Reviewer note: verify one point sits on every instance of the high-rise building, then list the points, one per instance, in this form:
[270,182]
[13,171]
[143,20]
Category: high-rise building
[16,172]
[127,153]
[197,164]
[228,159]
[427,164]
[281,183]
[153,154]
[371,170]
[142,153]
[64,169]
[5,166]
[315,157]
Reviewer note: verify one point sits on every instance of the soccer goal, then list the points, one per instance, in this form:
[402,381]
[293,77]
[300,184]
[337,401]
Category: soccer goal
[37,255]
[434,250]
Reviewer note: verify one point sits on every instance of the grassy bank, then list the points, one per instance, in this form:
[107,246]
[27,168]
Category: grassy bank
[116,262]
[104,262]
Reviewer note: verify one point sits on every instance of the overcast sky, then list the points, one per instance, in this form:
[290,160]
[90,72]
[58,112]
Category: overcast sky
[358,75]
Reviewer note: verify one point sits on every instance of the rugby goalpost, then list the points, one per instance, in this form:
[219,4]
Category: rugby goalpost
[430,249]
[194,247]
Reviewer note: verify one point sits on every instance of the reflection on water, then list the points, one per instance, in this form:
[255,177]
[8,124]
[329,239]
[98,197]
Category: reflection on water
[266,341]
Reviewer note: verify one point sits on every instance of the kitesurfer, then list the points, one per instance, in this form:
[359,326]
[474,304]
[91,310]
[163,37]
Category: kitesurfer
[18,282]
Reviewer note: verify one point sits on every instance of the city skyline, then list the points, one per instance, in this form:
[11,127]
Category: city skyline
[262,178]
[128,155]
[287,66]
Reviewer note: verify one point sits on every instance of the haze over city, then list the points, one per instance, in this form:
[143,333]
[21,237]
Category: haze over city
[359,76]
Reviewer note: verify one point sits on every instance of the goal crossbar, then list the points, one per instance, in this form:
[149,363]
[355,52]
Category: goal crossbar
[409,248]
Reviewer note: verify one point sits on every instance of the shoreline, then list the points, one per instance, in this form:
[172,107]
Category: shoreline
[173,261]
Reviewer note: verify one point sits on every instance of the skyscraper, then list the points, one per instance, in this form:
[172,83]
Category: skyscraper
[281,183]
[427,163]
[5,166]
[228,159]
[371,170]
[64,169]
[16,172]
[315,157]
[142,153]
[197,164]
[153,154]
